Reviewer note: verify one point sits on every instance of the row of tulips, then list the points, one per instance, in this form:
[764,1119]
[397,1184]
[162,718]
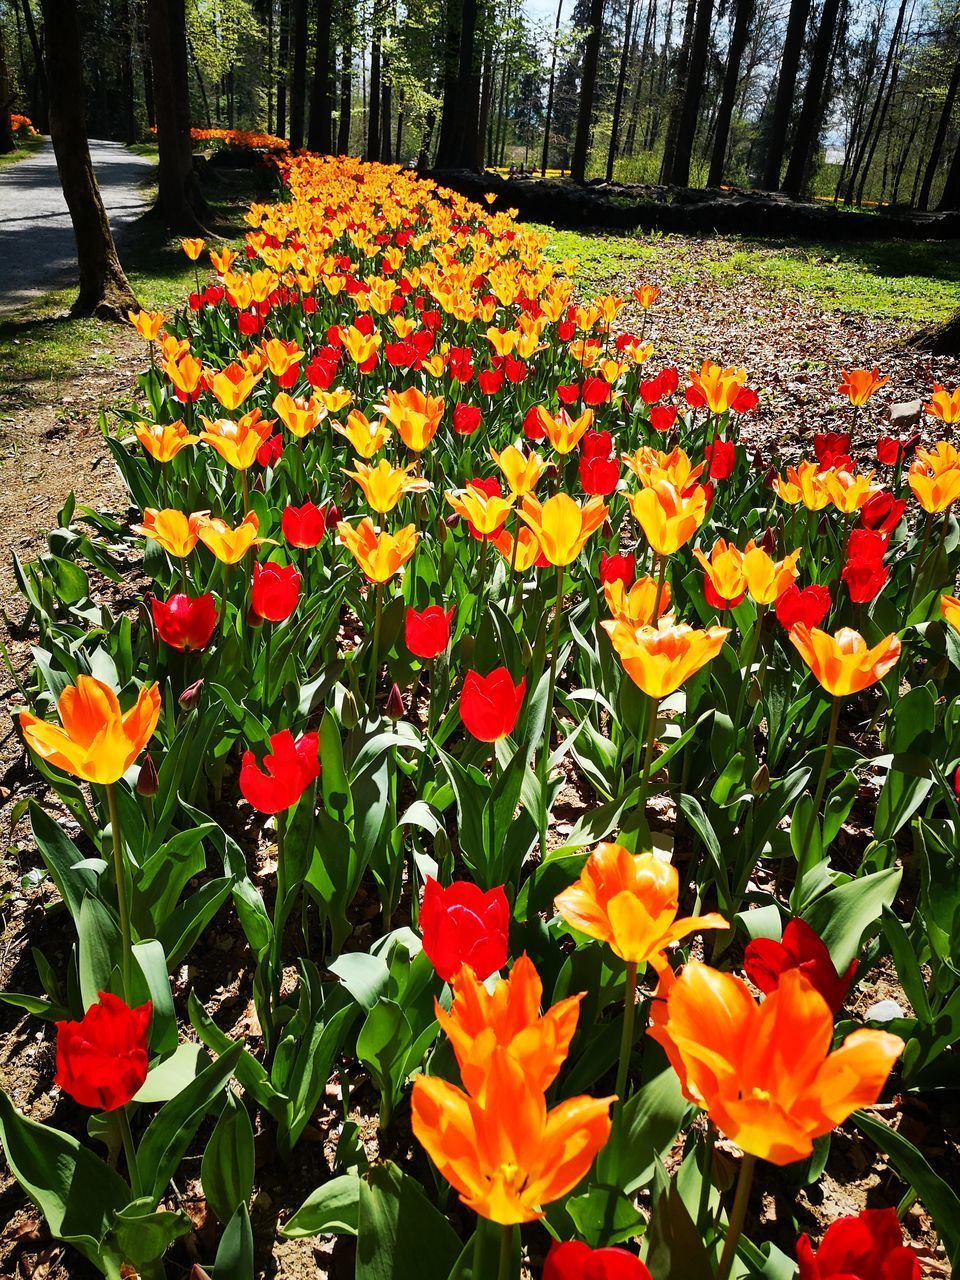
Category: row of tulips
[491,618]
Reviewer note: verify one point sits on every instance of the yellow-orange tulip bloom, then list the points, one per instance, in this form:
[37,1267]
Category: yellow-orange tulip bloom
[944,404]
[502,342]
[803,484]
[300,417]
[668,517]
[724,570]
[486,512]
[858,385]
[767,579]
[192,248]
[384,485]
[147,323]
[765,1072]
[563,432]
[521,471]
[186,373]
[222,261]
[507,1020]
[237,442]
[950,608]
[98,742]
[164,442]
[379,555]
[527,548]
[281,356]
[360,346]
[232,385]
[636,605]
[367,438]
[848,492]
[415,416]
[650,465]
[719,387]
[510,1157]
[646,295]
[934,477]
[659,659]
[630,901]
[337,399]
[842,662]
[561,525]
[227,544]
[175,531]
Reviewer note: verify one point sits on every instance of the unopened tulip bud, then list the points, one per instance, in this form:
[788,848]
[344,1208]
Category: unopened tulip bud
[769,476]
[394,704]
[190,698]
[606,530]
[673,439]
[148,783]
[552,471]
[769,541]
[822,527]
[758,463]
[332,517]
[760,782]
[349,715]
[452,521]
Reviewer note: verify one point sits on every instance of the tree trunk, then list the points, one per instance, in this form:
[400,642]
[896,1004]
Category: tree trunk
[950,199]
[283,57]
[676,94]
[548,121]
[728,95]
[104,290]
[693,92]
[588,86]
[618,97]
[786,89]
[179,203]
[814,101]
[877,104]
[320,132]
[346,95]
[398,157]
[386,110]
[40,109]
[941,339]
[373,117]
[7,143]
[939,138]
[452,103]
[298,81]
[483,117]
[146,66]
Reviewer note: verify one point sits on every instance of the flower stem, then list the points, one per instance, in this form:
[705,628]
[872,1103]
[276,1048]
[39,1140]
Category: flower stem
[375,657]
[737,1216]
[129,1151]
[661,579]
[821,787]
[506,1253]
[651,728]
[918,567]
[119,871]
[626,1039]
[543,767]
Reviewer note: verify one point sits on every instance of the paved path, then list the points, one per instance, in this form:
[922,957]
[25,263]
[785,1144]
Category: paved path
[37,249]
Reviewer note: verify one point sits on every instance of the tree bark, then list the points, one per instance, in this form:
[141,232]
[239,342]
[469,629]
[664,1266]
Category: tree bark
[814,101]
[676,95]
[878,103]
[728,95]
[550,91]
[283,56]
[786,88]
[346,95]
[588,87]
[374,114]
[179,202]
[7,143]
[939,339]
[319,134]
[452,105]
[692,95]
[618,97]
[939,138]
[298,81]
[40,113]
[104,290]
[950,199]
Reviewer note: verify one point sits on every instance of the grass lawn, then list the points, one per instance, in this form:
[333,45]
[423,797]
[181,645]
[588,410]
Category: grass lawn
[25,147]
[914,281]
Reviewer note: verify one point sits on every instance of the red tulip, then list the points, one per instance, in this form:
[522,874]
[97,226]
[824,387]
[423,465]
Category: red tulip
[882,512]
[532,428]
[270,451]
[185,622]
[832,448]
[746,400]
[663,416]
[577,1261]
[568,393]
[303,526]
[427,633]
[800,948]
[489,705]
[102,1059]
[463,925]
[596,444]
[275,591]
[595,391]
[892,450]
[864,571]
[618,567]
[599,476]
[809,605]
[466,419]
[867,1247]
[721,458]
[289,769]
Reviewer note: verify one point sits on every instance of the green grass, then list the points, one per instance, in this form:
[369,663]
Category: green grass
[914,281]
[25,147]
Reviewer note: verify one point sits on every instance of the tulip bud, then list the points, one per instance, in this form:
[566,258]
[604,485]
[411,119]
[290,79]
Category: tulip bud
[754,692]
[349,715]
[769,541]
[148,782]
[552,471]
[769,476]
[758,463]
[673,439]
[333,516]
[606,530]
[441,845]
[190,698]
[822,526]
[760,782]
[394,705]
[452,521]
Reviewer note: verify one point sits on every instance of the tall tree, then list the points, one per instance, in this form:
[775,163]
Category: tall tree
[692,95]
[298,81]
[786,90]
[320,131]
[676,97]
[950,197]
[375,114]
[553,76]
[7,142]
[618,96]
[179,202]
[865,141]
[939,138]
[728,94]
[283,56]
[814,100]
[104,290]
[39,95]
[346,92]
[588,88]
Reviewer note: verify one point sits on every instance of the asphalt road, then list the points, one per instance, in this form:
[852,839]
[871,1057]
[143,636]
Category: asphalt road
[37,249]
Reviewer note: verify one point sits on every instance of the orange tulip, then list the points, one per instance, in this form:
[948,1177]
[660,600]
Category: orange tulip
[379,555]
[636,605]
[563,432]
[281,356]
[630,901]
[367,438]
[646,295]
[230,545]
[415,416]
[950,608]
[147,323]
[384,485]
[300,417]
[98,742]
[944,404]
[509,1157]
[237,442]
[232,385]
[724,570]
[527,551]
[848,492]
[765,1072]
[485,511]
[561,525]
[482,1025]
[842,663]
[521,471]
[767,579]
[192,248]
[858,385]
[175,531]
[360,346]
[650,465]
[659,659]
[934,477]
[164,442]
[803,484]
[668,517]
[186,373]
[719,387]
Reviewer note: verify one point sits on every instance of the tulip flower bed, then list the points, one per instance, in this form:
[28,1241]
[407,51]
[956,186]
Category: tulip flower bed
[564,771]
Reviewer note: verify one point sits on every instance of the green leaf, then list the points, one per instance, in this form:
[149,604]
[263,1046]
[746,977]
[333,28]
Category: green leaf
[60,856]
[99,949]
[170,1077]
[141,1236]
[645,1129]
[676,1250]
[842,915]
[395,1222]
[235,1254]
[333,1209]
[227,1167]
[605,1216]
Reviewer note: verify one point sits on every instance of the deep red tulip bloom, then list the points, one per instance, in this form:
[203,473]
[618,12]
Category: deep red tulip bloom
[618,568]
[746,400]
[270,451]
[568,393]
[721,458]
[490,381]
[577,1261]
[866,1247]
[891,449]
[531,424]
[102,1059]
[291,766]
[800,948]
[427,633]
[867,544]
[596,444]
[489,705]
[663,417]
[595,391]
[565,330]
[599,476]
[303,526]
[466,419]
[882,512]
[809,605]
[831,448]
[185,622]
[865,579]
[275,591]
[462,925]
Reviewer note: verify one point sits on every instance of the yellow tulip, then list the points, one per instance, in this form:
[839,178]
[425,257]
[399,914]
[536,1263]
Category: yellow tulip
[227,544]
[636,605]
[522,472]
[300,417]
[668,517]
[415,416]
[485,512]
[164,442]
[563,432]
[379,555]
[175,531]
[562,526]
[237,442]
[384,485]
[767,579]
[232,385]
[659,659]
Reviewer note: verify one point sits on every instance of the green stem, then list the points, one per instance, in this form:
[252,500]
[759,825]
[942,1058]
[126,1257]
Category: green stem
[821,788]
[626,1039]
[119,871]
[737,1216]
[279,917]
[647,754]
[661,579]
[506,1253]
[267,645]
[928,526]
[245,490]
[129,1151]
[752,653]
[706,1179]
[375,657]
[543,766]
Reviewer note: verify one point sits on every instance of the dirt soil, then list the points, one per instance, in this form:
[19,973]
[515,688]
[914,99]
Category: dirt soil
[50,445]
